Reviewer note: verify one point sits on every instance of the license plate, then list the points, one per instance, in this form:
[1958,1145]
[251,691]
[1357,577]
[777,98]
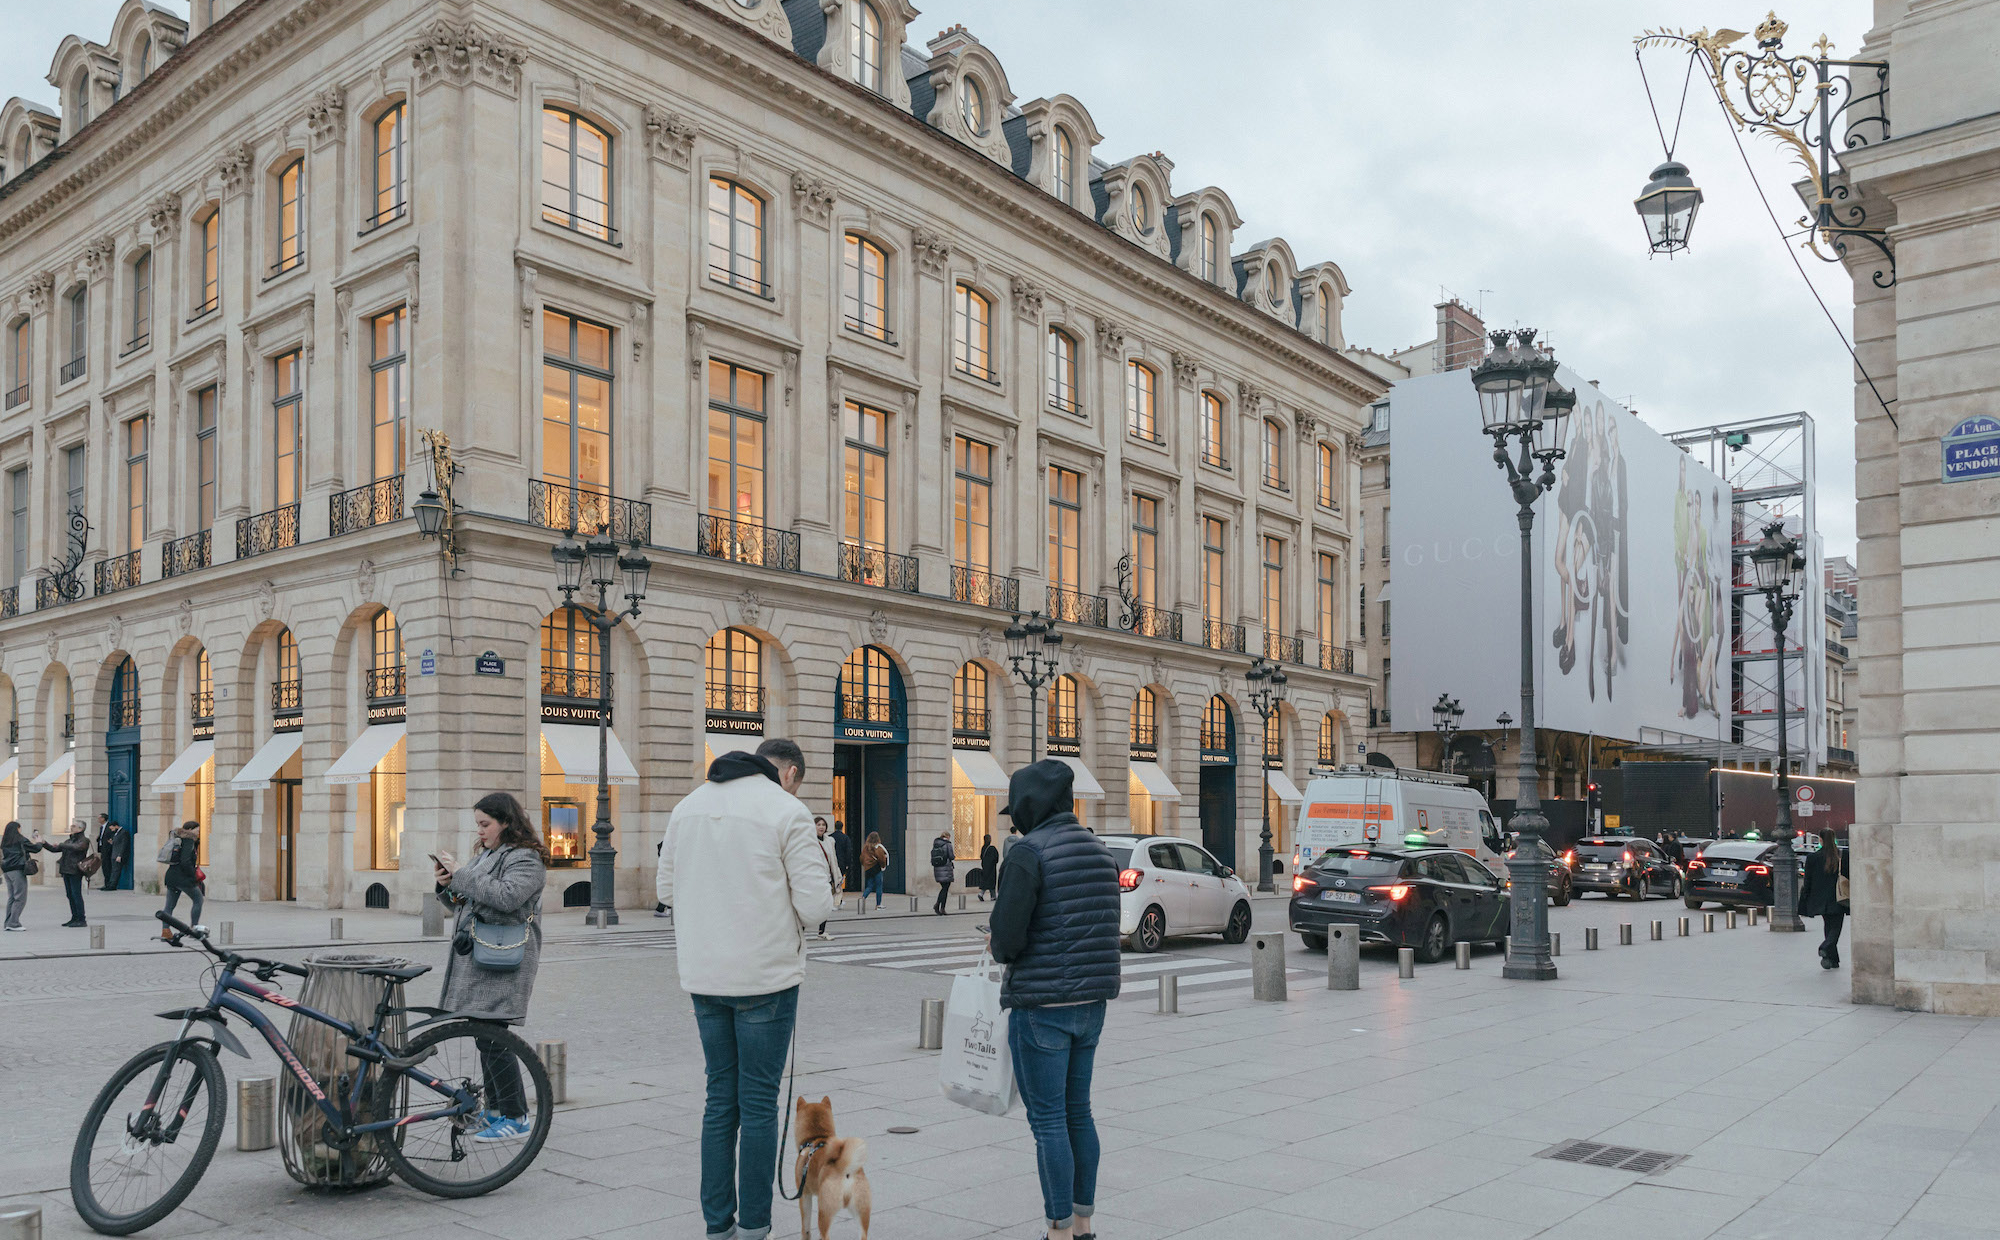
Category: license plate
[1341,897]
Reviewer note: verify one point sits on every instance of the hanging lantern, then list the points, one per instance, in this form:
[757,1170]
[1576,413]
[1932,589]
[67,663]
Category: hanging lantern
[1667,206]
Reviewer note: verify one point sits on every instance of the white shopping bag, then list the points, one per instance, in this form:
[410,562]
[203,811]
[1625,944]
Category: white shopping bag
[977,1069]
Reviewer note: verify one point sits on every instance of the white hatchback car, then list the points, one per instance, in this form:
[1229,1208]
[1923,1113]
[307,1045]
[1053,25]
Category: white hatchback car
[1170,886]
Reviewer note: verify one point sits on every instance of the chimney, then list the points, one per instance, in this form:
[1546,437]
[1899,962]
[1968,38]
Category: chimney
[1461,336]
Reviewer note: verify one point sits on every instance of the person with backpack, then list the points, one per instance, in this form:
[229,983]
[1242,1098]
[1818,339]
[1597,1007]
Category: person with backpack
[75,863]
[184,875]
[874,864]
[944,867]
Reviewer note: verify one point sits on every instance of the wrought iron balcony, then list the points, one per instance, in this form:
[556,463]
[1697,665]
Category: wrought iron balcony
[18,396]
[871,566]
[358,508]
[287,697]
[968,721]
[185,555]
[871,708]
[1065,729]
[1151,621]
[583,686]
[125,712]
[1145,735]
[970,585]
[201,704]
[1841,757]
[73,369]
[554,506]
[1327,754]
[1837,649]
[120,572]
[267,531]
[1075,607]
[1219,635]
[49,591]
[385,683]
[735,700]
[10,602]
[746,542]
[1334,658]
[1284,649]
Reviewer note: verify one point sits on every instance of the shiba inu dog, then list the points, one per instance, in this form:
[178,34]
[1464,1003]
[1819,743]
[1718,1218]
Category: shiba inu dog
[829,1172]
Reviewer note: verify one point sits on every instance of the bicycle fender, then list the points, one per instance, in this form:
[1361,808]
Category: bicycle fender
[213,1020]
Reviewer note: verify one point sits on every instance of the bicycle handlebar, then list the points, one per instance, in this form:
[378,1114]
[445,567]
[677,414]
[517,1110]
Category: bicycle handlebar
[264,969]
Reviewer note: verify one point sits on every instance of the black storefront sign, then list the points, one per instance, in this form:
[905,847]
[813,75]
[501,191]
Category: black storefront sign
[736,725]
[571,712]
[204,729]
[295,723]
[387,712]
[1065,747]
[962,741]
[856,730]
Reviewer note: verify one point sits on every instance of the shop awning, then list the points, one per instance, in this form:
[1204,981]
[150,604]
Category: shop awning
[575,748]
[10,768]
[1155,781]
[269,758]
[183,768]
[362,757]
[55,771]
[1085,786]
[719,743]
[981,771]
[1287,791]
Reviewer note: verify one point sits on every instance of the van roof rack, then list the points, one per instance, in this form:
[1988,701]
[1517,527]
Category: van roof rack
[1351,771]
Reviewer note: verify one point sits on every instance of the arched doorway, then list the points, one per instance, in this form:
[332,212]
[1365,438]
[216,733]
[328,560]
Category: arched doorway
[1151,797]
[276,768]
[576,685]
[377,756]
[121,762]
[1218,780]
[733,697]
[190,777]
[871,754]
[978,783]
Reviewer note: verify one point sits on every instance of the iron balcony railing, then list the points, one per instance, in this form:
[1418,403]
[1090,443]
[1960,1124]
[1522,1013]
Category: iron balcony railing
[287,697]
[10,602]
[73,369]
[1220,635]
[746,542]
[184,555]
[1065,728]
[871,708]
[120,572]
[17,396]
[1076,607]
[1327,754]
[358,508]
[201,704]
[583,686]
[1334,658]
[385,683]
[50,591]
[555,506]
[740,280]
[1145,735]
[1841,757]
[968,721]
[1151,621]
[735,699]
[972,585]
[125,712]
[1837,648]
[267,531]
[872,566]
[1284,649]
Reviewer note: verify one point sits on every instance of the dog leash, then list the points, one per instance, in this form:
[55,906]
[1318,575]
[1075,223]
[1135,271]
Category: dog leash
[791,1092]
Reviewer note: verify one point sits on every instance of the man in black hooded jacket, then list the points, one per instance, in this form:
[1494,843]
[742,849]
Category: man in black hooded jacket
[1055,927]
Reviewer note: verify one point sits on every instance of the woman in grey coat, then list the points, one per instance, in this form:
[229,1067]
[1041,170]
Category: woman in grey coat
[500,886]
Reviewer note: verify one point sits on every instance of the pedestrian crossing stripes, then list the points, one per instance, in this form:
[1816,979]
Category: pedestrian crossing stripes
[958,956]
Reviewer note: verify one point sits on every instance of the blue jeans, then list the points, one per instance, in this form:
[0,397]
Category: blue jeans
[872,885]
[744,1039]
[1054,1050]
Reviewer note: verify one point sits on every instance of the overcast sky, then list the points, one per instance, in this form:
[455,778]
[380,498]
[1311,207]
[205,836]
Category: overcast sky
[1488,151]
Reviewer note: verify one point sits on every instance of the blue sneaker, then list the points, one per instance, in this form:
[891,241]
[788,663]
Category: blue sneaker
[503,1129]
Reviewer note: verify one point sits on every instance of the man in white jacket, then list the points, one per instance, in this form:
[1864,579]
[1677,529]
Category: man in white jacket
[745,878]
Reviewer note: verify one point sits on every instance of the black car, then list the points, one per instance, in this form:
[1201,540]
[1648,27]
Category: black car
[1621,865]
[1560,889]
[1732,872]
[1425,898]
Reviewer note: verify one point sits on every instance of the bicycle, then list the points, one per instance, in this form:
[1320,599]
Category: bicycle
[419,1104]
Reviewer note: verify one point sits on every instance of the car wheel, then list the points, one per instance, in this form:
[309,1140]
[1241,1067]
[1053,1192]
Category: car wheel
[1151,932]
[1638,890]
[1238,928]
[1561,895]
[1680,888]
[1313,942]
[1436,940]
[1692,903]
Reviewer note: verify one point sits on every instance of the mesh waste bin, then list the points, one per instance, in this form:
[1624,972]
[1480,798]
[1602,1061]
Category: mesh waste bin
[336,986]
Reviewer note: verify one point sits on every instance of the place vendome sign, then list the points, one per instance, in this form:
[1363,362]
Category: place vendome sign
[1972,450]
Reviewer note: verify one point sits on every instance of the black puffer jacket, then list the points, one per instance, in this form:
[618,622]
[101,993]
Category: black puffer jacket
[1056,924]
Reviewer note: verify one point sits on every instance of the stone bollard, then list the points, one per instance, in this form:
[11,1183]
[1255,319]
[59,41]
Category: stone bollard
[1590,938]
[430,919]
[1343,958]
[930,1026]
[1464,960]
[555,1059]
[1729,919]
[225,933]
[1406,962]
[1708,923]
[21,1223]
[97,938]
[1170,993]
[1683,931]
[256,1112]
[1555,944]
[333,928]
[1624,934]
[1659,930]
[1267,967]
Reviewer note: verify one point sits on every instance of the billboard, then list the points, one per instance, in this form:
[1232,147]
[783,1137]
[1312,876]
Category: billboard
[1631,564]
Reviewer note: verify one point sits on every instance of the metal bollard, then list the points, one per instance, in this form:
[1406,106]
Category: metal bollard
[1683,932]
[1267,967]
[930,1026]
[97,938]
[21,1223]
[1464,960]
[1729,920]
[1624,934]
[961,901]
[333,928]
[430,919]
[1555,944]
[225,932]
[1406,962]
[256,1112]
[1659,930]
[1170,993]
[1590,938]
[1708,923]
[555,1058]
[913,904]
[1758,913]
[1343,958]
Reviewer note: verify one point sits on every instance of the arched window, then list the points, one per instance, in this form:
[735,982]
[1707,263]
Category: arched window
[291,245]
[864,287]
[1321,304]
[1274,748]
[972,333]
[1140,421]
[969,702]
[735,675]
[871,691]
[207,261]
[572,656]
[1065,166]
[1142,209]
[576,174]
[1145,722]
[145,57]
[140,325]
[286,690]
[1329,478]
[1211,242]
[125,694]
[1218,731]
[1274,453]
[1211,430]
[1065,717]
[972,105]
[201,700]
[736,237]
[1329,741]
[388,167]
[1274,284]
[864,44]
[385,659]
[1062,370]
[79,97]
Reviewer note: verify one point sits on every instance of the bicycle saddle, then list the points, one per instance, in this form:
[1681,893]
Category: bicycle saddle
[404,974]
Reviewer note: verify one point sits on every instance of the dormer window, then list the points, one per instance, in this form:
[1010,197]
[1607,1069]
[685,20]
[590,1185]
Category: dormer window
[1319,310]
[972,105]
[1065,166]
[1142,210]
[864,44]
[1210,245]
[80,99]
[1274,282]
[145,56]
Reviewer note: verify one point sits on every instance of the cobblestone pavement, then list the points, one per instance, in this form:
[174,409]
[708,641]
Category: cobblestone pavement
[1406,1109]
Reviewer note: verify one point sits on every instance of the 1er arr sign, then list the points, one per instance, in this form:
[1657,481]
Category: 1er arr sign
[1972,450]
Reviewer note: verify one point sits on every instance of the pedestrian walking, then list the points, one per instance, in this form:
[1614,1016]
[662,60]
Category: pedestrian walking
[185,877]
[1055,927]
[833,866]
[843,854]
[74,864]
[111,851]
[944,867]
[752,877]
[989,869]
[1823,894]
[874,864]
[16,864]
[498,889]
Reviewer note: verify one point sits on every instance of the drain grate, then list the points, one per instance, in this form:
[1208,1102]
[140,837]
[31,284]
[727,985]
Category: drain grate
[1618,1157]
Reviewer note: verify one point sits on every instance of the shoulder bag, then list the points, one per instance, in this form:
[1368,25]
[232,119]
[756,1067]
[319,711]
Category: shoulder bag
[1840,890]
[166,856]
[499,947]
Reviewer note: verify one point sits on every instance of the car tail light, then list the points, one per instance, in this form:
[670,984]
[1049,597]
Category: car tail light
[1128,880]
[1569,858]
[1697,864]
[1357,852]
[1628,856]
[1300,882]
[1754,868]
[1396,891]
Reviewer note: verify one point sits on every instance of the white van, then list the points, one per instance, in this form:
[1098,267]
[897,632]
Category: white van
[1376,807]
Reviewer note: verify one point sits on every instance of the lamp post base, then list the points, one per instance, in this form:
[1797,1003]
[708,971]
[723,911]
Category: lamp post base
[1786,923]
[601,917]
[1529,971]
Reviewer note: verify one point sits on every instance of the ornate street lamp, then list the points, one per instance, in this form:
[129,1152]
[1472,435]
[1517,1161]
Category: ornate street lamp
[606,567]
[1445,717]
[1667,207]
[1264,686]
[1520,400]
[1780,569]
[1035,652]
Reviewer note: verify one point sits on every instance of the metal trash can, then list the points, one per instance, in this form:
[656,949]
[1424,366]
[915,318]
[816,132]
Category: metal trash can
[335,986]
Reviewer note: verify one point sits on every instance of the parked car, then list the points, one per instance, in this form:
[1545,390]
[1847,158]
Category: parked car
[1561,888]
[1425,898]
[1170,886]
[1732,872]
[1623,865]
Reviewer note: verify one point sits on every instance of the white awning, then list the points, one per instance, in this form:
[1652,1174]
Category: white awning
[575,748]
[362,757]
[1085,786]
[54,772]
[981,771]
[1155,781]
[176,776]
[719,743]
[270,756]
[1281,784]
[10,768]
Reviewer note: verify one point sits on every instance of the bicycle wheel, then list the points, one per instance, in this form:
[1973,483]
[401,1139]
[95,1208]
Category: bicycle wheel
[445,1156]
[134,1163]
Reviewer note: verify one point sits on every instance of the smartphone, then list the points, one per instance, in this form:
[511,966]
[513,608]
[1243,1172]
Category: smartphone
[434,859]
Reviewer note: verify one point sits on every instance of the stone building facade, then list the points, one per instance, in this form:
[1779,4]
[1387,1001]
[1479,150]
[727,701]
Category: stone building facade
[863,354]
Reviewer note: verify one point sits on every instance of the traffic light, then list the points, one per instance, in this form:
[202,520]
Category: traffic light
[1595,797]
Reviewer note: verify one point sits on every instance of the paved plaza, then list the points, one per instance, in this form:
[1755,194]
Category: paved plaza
[1407,1109]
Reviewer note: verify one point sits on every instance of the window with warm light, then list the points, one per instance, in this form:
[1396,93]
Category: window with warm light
[291,228]
[865,476]
[205,457]
[736,436]
[972,504]
[1140,419]
[138,451]
[1146,550]
[576,174]
[864,44]
[1329,477]
[736,237]
[1211,431]
[208,271]
[734,665]
[1065,716]
[969,701]
[572,656]
[972,333]
[287,404]
[972,105]
[386,168]
[1062,370]
[1065,528]
[1274,586]
[864,287]
[388,392]
[1214,562]
[1329,598]
[576,418]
